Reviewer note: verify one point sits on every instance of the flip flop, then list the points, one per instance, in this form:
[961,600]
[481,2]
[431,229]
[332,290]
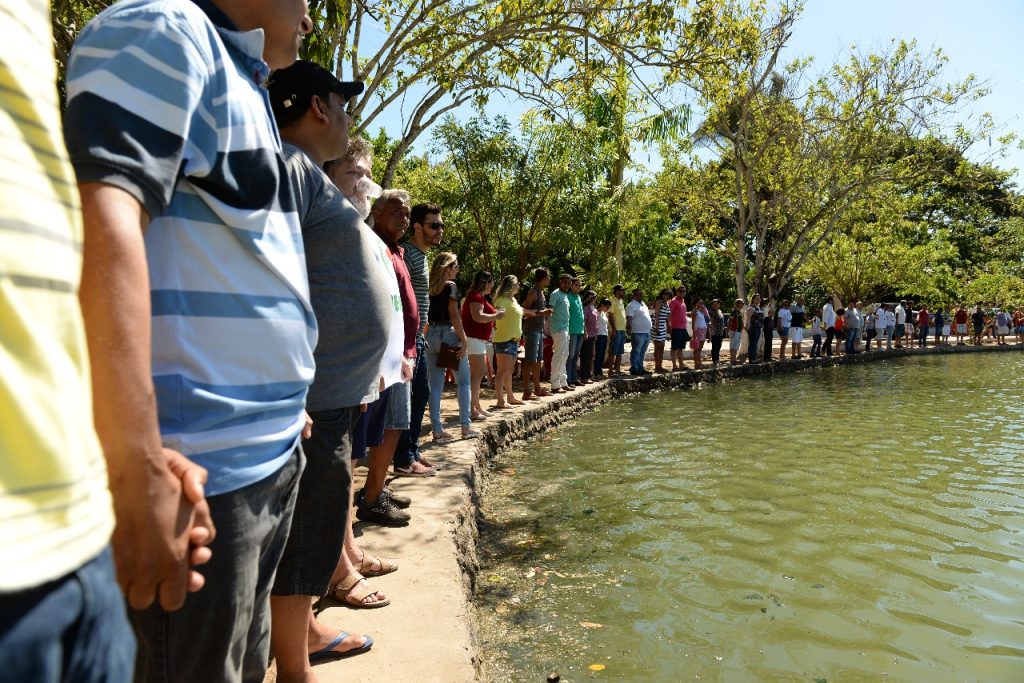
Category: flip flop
[329,653]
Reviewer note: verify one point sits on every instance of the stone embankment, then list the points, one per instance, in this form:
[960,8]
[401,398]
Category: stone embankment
[427,632]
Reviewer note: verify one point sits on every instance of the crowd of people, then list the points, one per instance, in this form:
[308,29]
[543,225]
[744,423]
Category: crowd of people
[211,310]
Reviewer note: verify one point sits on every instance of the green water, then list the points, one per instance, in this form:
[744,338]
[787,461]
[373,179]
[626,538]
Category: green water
[855,523]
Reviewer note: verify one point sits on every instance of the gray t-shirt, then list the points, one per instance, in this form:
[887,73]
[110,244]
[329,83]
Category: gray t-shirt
[350,300]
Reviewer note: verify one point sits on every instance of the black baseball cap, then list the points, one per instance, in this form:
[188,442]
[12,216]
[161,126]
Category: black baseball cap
[291,89]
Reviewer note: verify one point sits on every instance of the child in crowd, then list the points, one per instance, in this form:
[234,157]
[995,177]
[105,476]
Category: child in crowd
[816,336]
[601,345]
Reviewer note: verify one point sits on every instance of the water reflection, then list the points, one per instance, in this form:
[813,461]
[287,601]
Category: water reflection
[842,525]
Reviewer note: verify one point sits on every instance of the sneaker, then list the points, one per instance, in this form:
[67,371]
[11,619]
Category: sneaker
[415,470]
[395,499]
[382,511]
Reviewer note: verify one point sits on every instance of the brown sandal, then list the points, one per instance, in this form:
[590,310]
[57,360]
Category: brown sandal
[349,593]
[365,566]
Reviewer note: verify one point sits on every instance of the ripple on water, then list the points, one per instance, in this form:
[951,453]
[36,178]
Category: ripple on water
[838,524]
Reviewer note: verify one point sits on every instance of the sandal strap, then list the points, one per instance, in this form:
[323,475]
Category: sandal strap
[352,579]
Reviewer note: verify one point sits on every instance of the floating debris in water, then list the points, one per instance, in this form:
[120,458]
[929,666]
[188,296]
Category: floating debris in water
[554,677]
[591,624]
[597,667]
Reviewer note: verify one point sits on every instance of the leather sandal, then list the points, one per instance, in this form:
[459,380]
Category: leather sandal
[365,566]
[351,594]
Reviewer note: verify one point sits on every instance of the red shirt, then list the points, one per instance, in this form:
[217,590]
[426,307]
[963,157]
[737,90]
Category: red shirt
[961,317]
[923,318]
[410,309]
[472,327]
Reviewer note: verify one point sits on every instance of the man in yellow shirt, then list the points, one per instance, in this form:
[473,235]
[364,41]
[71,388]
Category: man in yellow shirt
[616,331]
[61,614]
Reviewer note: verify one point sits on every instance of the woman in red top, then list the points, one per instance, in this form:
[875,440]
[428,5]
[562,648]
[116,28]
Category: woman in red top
[478,316]
[960,324]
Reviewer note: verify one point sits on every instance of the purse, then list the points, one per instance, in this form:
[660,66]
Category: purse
[448,357]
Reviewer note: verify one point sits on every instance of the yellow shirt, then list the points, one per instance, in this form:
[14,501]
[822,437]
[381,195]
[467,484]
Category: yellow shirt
[55,510]
[511,326]
[618,314]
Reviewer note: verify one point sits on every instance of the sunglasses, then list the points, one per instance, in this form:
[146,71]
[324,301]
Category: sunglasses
[434,226]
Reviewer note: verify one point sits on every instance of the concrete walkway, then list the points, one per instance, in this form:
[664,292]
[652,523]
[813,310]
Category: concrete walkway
[426,634]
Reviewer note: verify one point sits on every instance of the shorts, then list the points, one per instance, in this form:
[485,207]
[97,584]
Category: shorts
[901,330]
[509,348]
[796,334]
[735,339]
[476,347]
[679,338]
[1002,329]
[618,343]
[399,407]
[320,518]
[534,346]
[784,332]
[945,330]
[369,429]
[961,328]
[698,338]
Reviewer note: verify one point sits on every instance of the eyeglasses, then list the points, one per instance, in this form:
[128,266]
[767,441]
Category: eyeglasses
[434,226]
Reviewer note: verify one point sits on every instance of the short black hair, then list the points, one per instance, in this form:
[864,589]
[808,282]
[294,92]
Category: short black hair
[618,288]
[421,211]
[540,274]
[605,302]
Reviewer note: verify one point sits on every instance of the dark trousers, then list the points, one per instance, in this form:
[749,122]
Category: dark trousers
[768,333]
[223,631]
[753,336]
[830,334]
[409,443]
[716,349]
[600,348]
[587,358]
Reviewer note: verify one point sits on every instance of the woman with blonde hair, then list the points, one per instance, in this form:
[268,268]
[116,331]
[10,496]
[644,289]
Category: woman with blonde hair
[507,332]
[445,328]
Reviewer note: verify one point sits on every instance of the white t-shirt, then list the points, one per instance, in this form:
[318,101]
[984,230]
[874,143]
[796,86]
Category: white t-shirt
[829,315]
[394,351]
[602,324]
[901,315]
[699,321]
[639,316]
[785,317]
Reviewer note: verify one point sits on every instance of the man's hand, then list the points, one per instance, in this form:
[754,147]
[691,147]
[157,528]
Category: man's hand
[408,368]
[193,478]
[307,430]
[153,534]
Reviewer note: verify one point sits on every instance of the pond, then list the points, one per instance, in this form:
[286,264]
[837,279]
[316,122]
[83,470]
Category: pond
[852,523]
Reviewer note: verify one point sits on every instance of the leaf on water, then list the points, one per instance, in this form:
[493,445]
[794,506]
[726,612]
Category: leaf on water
[502,608]
[591,624]
[530,573]
[494,578]
[718,659]
[596,667]
[508,471]
[542,581]
[549,557]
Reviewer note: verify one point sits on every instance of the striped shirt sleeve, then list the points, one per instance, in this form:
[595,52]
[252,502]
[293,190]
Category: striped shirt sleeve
[135,89]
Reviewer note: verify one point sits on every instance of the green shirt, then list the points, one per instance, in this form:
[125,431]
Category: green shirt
[575,313]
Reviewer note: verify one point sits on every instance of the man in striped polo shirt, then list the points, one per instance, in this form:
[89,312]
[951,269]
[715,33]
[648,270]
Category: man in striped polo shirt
[427,231]
[180,169]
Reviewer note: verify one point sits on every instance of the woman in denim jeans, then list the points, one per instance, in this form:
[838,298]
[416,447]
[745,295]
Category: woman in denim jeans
[444,325]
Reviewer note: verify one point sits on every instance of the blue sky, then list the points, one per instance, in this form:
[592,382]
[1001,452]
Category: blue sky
[981,37]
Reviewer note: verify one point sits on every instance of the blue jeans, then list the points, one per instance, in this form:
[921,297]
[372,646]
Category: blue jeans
[599,350]
[435,335]
[573,361]
[753,337]
[409,443]
[922,335]
[71,629]
[851,337]
[638,351]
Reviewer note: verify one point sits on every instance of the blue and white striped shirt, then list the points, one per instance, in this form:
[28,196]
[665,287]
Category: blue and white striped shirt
[165,101]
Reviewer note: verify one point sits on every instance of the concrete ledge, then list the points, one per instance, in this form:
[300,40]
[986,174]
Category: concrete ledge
[427,633]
